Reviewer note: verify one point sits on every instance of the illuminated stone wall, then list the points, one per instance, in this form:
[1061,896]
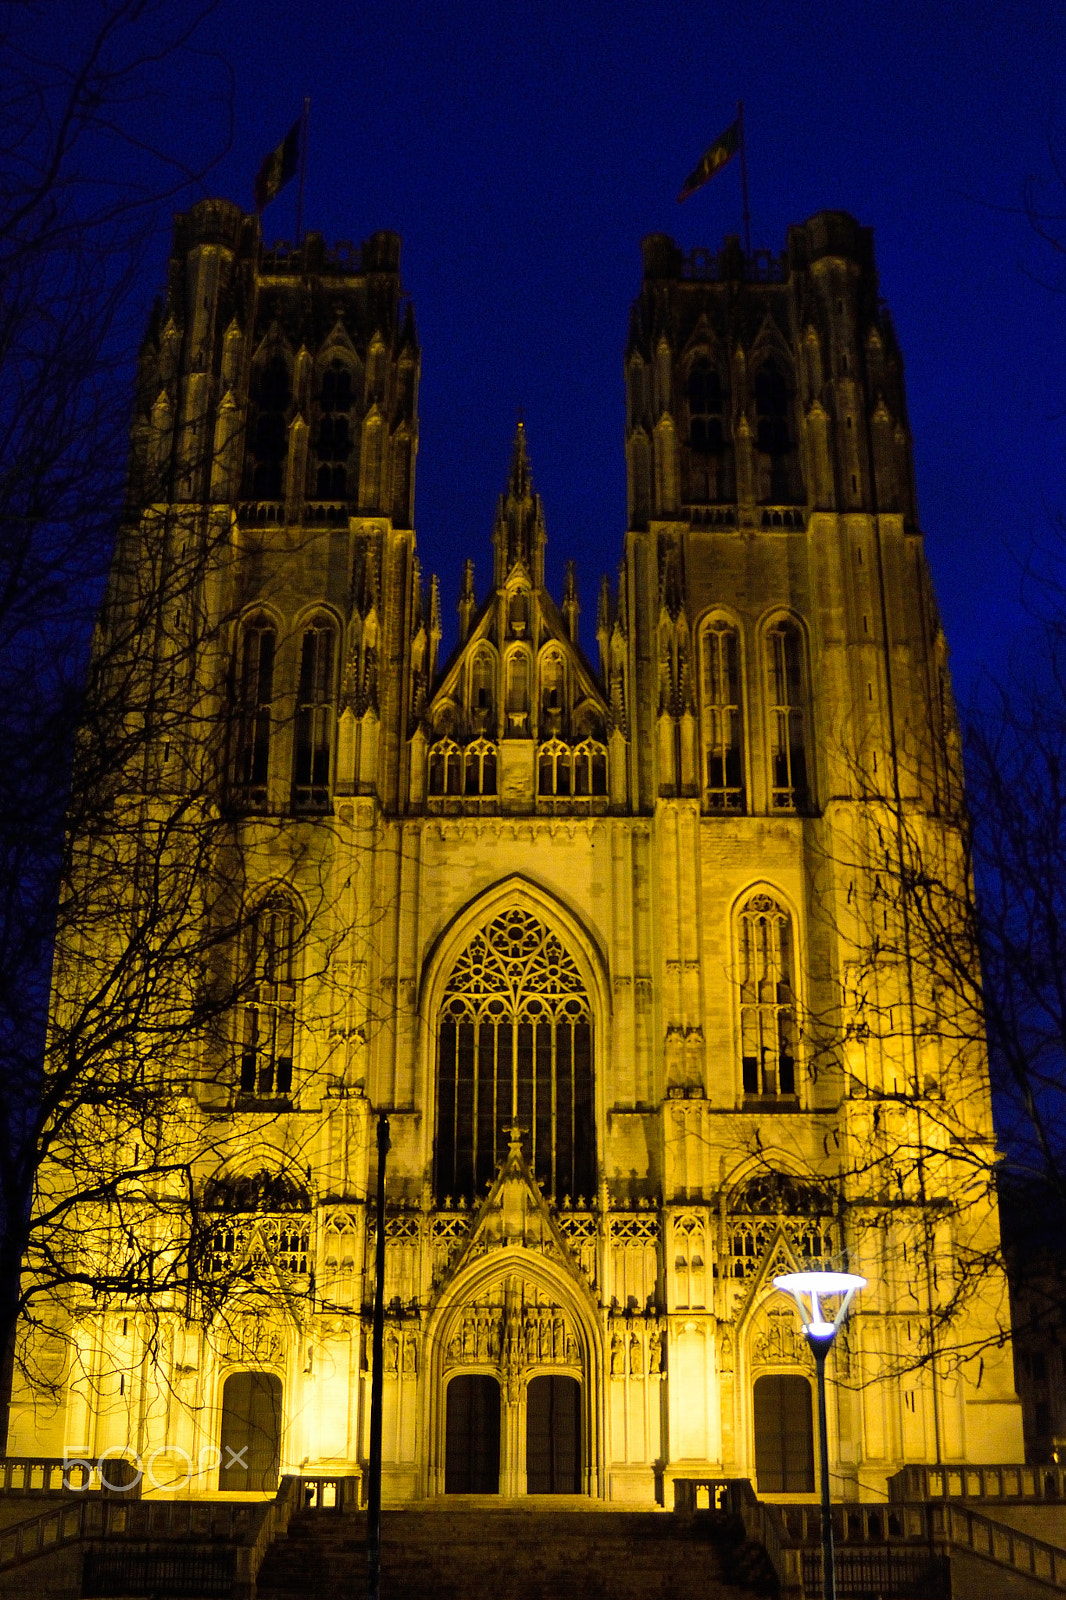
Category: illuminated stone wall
[685,823]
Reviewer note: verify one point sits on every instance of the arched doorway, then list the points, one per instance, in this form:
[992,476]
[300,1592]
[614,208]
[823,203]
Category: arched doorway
[251,1431]
[553,1435]
[784,1434]
[472,1435]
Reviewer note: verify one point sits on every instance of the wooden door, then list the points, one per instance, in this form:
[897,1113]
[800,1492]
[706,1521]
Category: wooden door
[784,1435]
[472,1436]
[553,1436]
[251,1431]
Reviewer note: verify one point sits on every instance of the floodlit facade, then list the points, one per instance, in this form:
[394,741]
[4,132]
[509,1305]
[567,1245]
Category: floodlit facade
[593,933]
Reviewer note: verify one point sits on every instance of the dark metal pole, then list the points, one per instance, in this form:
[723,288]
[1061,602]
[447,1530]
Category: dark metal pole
[820,1347]
[373,1493]
[304,122]
[744,178]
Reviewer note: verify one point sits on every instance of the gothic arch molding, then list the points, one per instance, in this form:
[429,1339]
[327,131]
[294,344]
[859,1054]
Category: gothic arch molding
[514,1273]
[512,893]
[516,890]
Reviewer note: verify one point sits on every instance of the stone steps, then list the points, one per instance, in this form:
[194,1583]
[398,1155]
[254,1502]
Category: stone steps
[465,1552]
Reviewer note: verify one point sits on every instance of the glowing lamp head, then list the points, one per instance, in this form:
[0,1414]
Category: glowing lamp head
[809,1289]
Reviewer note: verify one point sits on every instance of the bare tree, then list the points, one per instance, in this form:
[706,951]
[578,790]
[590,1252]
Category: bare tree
[87,177]
[941,911]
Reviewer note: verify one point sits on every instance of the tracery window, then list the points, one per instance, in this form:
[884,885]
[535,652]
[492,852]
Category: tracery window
[571,773]
[256,1220]
[445,768]
[708,460]
[552,694]
[771,410]
[314,718]
[767,998]
[252,770]
[554,768]
[723,779]
[479,760]
[787,718]
[590,769]
[459,772]
[704,408]
[482,692]
[773,1200]
[271,393]
[515,1047]
[518,666]
[333,444]
[773,433]
[268,1023]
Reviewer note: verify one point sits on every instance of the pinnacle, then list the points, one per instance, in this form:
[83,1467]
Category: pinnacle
[520,481]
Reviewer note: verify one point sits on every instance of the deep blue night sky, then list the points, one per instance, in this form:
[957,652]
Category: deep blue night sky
[522,150]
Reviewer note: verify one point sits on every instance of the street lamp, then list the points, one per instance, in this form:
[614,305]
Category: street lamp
[808,1290]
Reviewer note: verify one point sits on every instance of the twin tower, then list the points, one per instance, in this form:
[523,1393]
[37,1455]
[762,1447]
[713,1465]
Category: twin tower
[590,931]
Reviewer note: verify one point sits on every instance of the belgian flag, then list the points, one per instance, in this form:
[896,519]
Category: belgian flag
[712,160]
[279,166]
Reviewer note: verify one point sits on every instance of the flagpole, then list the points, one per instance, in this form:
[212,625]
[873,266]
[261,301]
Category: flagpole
[303,172]
[744,179]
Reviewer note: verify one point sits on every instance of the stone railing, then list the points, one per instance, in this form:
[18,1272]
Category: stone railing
[762,1523]
[902,1547]
[1011,1482]
[271,1523]
[328,1492]
[711,266]
[733,516]
[213,1547]
[21,1475]
[959,1527]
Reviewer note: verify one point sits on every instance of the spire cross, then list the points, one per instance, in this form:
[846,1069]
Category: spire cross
[514,1134]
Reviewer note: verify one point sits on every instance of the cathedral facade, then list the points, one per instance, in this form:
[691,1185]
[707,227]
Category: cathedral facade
[585,929]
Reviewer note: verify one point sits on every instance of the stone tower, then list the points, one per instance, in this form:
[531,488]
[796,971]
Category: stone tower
[594,935]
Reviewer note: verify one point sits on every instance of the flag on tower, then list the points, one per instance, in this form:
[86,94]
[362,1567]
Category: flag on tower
[278,167]
[712,160]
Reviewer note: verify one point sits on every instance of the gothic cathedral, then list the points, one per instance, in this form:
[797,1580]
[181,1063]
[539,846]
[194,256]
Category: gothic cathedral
[588,930]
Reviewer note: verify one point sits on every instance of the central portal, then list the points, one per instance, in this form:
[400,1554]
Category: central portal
[553,1435]
[472,1436]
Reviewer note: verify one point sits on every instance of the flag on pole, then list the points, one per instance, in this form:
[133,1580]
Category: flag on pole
[712,160]
[278,167]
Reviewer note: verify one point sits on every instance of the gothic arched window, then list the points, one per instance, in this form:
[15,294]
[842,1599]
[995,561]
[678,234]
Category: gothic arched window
[271,393]
[554,768]
[482,692]
[269,986]
[771,410]
[445,768]
[552,693]
[708,460]
[774,434]
[515,1047]
[723,774]
[333,444]
[787,718]
[767,998]
[590,768]
[705,434]
[479,761]
[314,717]
[252,771]
[517,691]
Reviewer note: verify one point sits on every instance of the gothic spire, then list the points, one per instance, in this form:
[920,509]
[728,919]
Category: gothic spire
[467,601]
[519,532]
[571,607]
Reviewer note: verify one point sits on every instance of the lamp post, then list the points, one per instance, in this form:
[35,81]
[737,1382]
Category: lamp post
[808,1290]
[373,1498]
